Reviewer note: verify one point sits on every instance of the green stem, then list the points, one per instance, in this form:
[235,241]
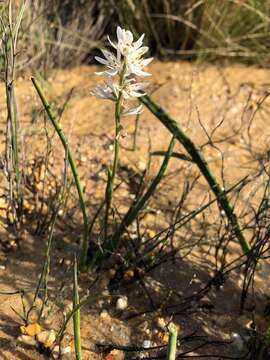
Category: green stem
[198,158]
[112,173]
[76,315]
[51,116]
[172,346]
[135,132]
[116,139]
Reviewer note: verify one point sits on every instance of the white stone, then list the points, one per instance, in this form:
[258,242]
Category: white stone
[122,303]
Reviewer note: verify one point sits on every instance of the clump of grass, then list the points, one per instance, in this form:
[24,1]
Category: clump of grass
[61,33]
[234,29]
[239,30]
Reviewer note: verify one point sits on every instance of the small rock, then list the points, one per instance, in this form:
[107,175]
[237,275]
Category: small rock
[31,330]
[55,352]
[48,321]
[83,159]
[60,212]
[28,340]
[128,275]
[151,233]
[142,165]
[161,323]
[237,340]
[66,350]
[46,338]
[104,314]
[122,303]
[23,235]
[111,273]
[146,344]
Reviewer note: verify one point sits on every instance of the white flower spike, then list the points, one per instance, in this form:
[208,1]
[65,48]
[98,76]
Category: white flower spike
[128,65]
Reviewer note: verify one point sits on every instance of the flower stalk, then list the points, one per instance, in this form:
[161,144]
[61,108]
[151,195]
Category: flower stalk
[126,66]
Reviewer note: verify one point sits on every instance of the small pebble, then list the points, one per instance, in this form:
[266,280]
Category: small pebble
[238,341]
[46,338]
[122,303]
[161,323]
[83,159]
[28,340]
[31,329]
[146,344]
[66,350]
[104,314]
[128,275]
[55,352]
[142,165]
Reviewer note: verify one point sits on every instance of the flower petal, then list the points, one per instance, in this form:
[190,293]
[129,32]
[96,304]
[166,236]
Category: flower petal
[108,55]
[128,37]
[139,42]
[111,43]
[146,62]
[101,60]
[119,32]
[133,111]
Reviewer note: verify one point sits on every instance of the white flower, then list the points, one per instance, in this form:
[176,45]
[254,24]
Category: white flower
[112,62]
[135,65]
[107,91]
[127,64]
[132,51]
[131,88]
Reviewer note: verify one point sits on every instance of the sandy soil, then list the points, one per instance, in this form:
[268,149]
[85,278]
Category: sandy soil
[225,101]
